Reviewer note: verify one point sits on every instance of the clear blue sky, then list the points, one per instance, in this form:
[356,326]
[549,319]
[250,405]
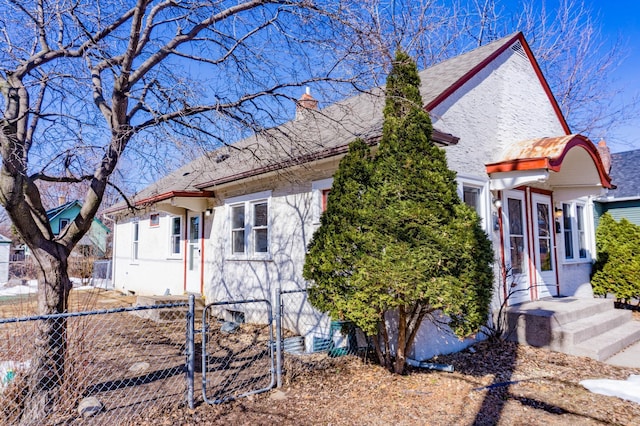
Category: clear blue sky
[622,17]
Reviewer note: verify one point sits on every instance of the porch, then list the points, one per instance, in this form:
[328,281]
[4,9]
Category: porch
[583,327]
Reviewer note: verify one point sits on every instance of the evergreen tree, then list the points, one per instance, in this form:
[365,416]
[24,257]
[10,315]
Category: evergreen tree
[411,247]
[617,267]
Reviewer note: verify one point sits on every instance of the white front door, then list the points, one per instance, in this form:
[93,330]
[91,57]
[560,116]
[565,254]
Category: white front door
[545,274]
[193,261]
[516,247]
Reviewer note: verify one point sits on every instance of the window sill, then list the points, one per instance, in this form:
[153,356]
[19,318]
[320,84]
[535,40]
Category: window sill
[576,262]
[238,258]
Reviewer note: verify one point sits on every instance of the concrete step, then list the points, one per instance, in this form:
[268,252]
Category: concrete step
[557,311]
[607,344]
[575,332]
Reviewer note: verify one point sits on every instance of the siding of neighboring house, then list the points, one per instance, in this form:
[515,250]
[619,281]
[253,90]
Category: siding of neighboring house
[96,236]
[624,201]
[5,252]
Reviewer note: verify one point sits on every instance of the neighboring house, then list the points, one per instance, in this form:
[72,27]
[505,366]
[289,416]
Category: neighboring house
[624,200]
[235,223]
[5,253]
[94,242]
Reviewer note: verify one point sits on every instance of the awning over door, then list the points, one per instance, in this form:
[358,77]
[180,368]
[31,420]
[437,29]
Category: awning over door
[570,166]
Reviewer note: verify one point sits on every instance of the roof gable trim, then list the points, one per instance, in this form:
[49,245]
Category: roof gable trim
[527,50]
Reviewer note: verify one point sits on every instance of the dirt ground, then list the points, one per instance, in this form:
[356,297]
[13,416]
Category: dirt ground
[494,384]
[502,384]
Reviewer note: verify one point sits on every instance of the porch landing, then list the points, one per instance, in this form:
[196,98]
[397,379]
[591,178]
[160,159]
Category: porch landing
[583,327]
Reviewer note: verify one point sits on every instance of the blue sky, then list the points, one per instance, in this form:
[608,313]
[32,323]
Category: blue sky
[623,18]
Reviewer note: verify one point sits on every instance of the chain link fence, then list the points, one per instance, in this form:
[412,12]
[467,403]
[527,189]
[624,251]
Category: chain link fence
[237,350]
[123,362]
[309,336]
[119,362]
[101,274]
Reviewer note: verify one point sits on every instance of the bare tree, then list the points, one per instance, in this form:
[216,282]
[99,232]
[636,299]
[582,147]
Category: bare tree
[576,58]
[85,82]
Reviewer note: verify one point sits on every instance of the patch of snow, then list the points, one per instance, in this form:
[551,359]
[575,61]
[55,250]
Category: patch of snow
[626,389]
[16,290]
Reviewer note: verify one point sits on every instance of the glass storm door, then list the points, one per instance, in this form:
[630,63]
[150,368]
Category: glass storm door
[193,253]
[545,275]
[516,247]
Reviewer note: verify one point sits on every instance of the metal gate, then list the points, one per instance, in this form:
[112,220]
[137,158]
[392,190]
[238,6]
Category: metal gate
[237,349]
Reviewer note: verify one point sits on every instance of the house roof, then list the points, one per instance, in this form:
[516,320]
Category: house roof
[327,132]
[56,211]
[625,172]
[53,213]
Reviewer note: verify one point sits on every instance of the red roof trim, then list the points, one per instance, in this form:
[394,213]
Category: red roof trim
[165,196]
[519,36]
[174,194]
[554,164]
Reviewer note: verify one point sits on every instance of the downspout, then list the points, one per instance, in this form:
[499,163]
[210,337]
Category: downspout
[201,236]
[186,248]
[113,248]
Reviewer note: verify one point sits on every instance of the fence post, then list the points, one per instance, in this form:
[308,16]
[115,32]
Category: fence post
[278,336]
[191,350]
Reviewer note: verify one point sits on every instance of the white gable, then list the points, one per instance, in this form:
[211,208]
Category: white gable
[503,103]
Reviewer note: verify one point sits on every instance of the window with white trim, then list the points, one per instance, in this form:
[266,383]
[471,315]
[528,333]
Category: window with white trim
[176,236]
[135,240]
[472,191]
[574,232]
[249,220]
[471,197]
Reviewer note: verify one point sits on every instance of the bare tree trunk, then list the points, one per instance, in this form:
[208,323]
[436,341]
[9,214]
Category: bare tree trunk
[401,355]
[386,360]
[48,362]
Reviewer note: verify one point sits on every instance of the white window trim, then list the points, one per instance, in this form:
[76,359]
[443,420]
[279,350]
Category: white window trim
[317,187]
[135,243]
[248,200]
[588,232]
[485,206]
[180,234]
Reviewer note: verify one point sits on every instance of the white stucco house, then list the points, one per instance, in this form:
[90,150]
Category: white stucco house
[236,223]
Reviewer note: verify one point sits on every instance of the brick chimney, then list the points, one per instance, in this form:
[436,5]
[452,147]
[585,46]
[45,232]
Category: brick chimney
[605,155]
[305,104]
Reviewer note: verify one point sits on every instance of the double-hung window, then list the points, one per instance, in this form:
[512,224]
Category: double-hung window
[249,220]
[176,236]
[574,232]
[472,191]
[135,240]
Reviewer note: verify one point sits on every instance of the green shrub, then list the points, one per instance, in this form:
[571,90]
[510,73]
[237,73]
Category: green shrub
[617,268]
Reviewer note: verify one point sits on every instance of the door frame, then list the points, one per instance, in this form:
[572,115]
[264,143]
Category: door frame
[193,279]
[545,282]
[524,277]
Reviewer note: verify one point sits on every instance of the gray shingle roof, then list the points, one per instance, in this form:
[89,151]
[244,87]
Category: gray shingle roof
[625,174]
[326,131]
